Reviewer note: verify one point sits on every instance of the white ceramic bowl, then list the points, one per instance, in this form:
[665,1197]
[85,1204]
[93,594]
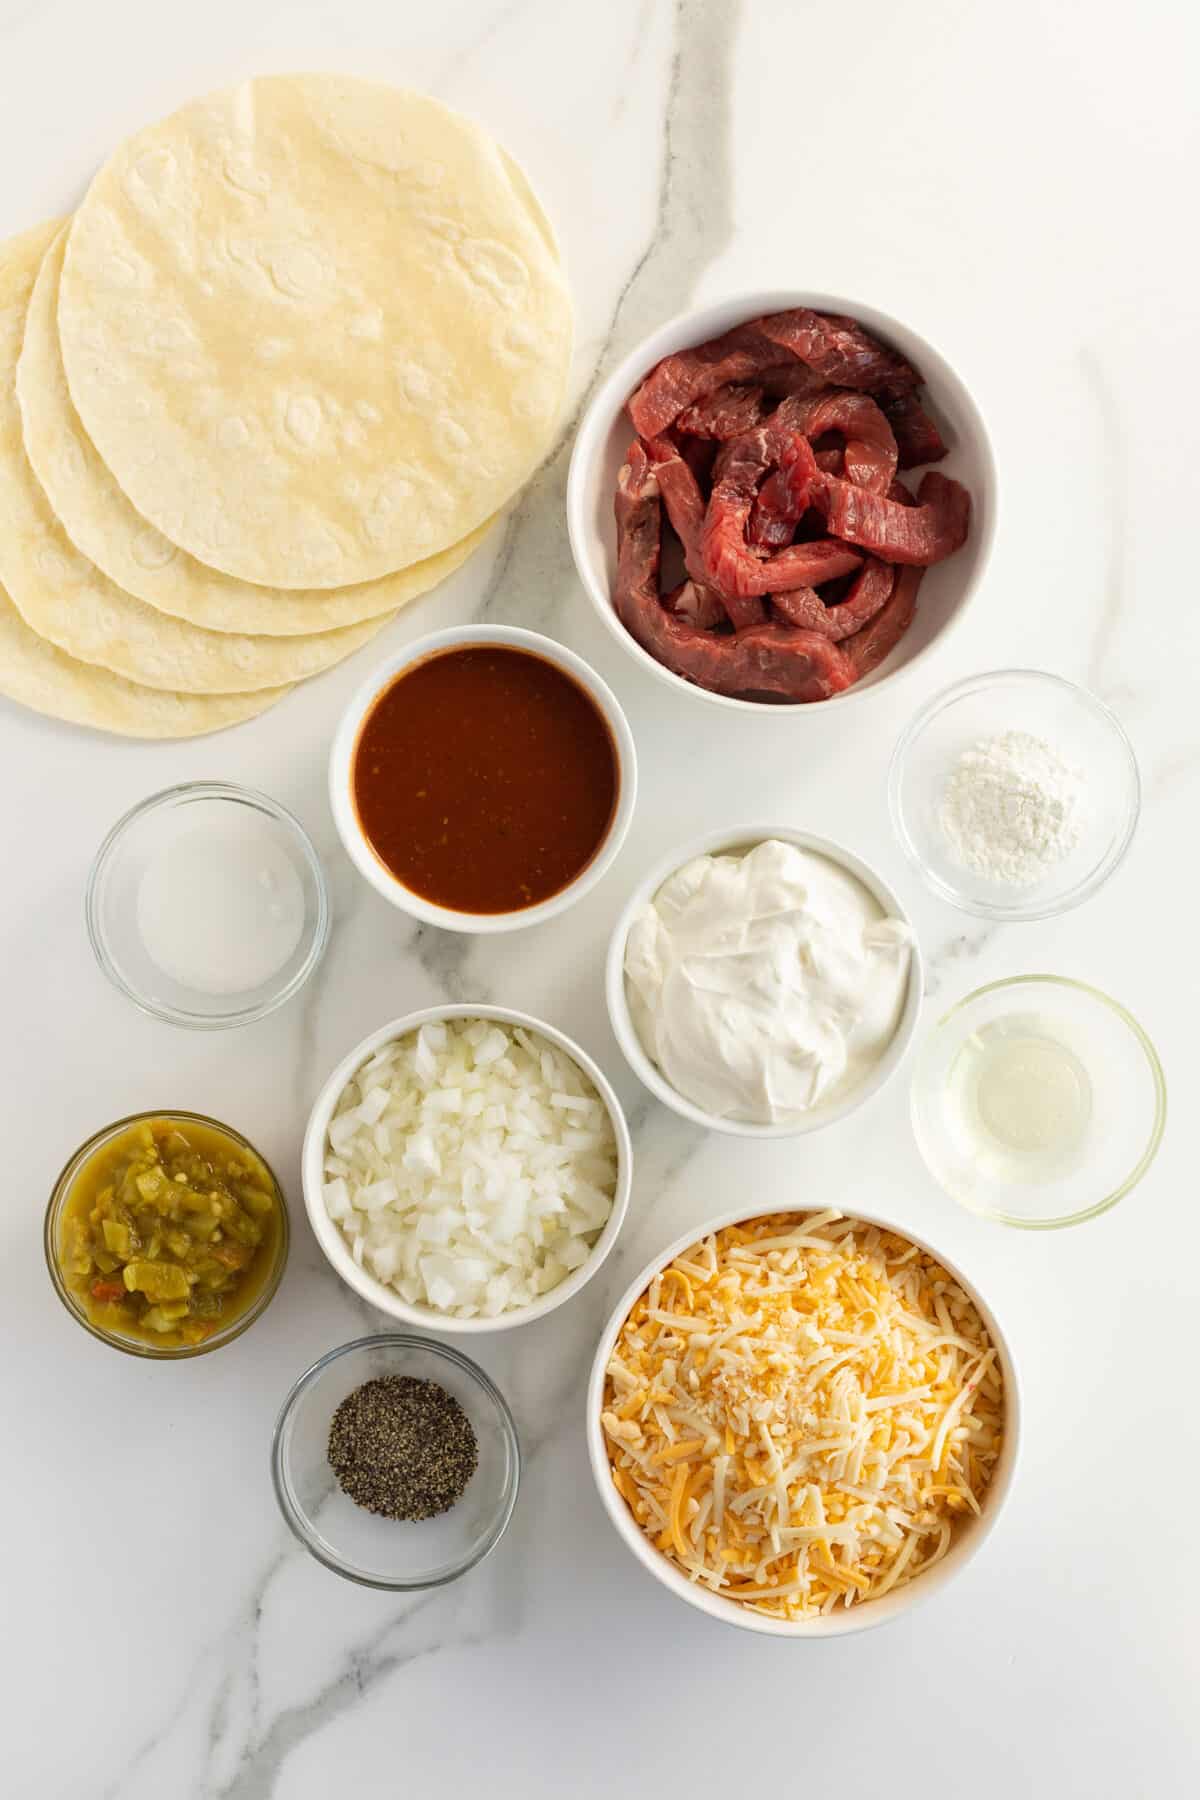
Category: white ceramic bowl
[337,1250]
[605,434]
[842,1621]
[341,764]
[716,843]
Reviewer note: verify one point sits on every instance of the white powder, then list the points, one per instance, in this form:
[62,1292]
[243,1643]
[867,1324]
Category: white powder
[1012,808]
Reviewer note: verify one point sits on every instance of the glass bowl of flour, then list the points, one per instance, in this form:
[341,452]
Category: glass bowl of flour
[1015,794]
[207,905]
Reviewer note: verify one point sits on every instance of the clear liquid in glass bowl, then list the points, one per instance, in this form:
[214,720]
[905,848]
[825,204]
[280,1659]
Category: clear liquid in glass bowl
[1038,1101]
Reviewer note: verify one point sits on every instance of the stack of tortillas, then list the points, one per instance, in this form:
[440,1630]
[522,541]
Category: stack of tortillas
[298,346]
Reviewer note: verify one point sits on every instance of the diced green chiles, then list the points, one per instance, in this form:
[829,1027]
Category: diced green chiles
[116,1236]
[165,1317]
[169,1231]
[157,1280]
[241,1226]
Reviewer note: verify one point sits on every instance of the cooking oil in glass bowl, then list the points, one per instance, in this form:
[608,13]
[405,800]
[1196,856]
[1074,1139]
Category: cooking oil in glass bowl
[1038,1101]
[1019,1100]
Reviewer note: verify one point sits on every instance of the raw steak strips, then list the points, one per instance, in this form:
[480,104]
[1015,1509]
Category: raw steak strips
[870,593]
[772,660]
[698,605]
[836,349]
[725,413]
[774,450]
[868,457]
[917,436]
[685,504]
[733,566]
[867,649]
[926,533]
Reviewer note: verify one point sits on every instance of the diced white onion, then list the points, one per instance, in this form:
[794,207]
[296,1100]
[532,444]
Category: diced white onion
[471,1167]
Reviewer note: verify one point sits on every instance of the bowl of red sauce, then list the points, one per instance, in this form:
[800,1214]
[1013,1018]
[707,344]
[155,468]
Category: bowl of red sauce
[483,778]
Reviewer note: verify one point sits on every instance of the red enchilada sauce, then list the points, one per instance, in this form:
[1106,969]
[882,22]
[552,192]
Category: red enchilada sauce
[485,779]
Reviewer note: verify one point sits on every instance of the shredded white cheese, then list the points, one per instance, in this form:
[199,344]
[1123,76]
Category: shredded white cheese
[800,1411]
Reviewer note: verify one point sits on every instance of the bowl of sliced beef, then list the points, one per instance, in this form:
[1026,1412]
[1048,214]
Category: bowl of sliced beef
[780,499]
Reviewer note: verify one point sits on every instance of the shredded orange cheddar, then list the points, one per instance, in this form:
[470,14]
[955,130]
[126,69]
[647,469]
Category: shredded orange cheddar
[674,1452]
[679,1276]
[850,1399]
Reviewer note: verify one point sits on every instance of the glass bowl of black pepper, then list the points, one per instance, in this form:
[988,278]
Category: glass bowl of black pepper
[396,1462]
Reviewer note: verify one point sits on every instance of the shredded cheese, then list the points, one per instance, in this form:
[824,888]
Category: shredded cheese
[801,1411]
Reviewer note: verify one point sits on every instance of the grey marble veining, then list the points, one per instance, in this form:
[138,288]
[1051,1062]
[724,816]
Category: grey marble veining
[1027,212]
[692,224]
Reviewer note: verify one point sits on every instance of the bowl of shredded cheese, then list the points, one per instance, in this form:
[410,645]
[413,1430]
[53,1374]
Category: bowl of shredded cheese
[801,1423]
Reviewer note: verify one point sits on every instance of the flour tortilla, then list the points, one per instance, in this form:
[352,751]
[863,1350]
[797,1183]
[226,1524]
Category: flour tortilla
[37,675]
[101,522]
[316,327]
[67,601]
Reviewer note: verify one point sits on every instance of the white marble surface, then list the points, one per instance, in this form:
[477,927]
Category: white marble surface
[1019,183]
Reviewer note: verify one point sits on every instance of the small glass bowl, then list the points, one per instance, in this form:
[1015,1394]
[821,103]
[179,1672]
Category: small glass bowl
[1084,732]
[112,904]
[135,1346]
[395,1554]
[1127,1105]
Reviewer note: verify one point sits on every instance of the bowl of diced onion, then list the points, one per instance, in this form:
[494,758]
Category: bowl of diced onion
[803,1423]
[466,1168]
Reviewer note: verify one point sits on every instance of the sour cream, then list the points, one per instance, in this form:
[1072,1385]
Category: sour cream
[765,985]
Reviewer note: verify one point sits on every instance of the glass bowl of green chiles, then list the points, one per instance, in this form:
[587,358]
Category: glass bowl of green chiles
[166,1235]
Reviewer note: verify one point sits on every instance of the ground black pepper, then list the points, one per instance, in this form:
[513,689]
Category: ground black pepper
[402,1447]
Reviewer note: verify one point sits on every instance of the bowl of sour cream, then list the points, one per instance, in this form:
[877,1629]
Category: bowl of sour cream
[763,981]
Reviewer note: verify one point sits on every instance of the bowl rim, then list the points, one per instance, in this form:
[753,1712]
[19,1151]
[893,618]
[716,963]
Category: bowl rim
[745,837]
[843,1622]
[184,792]
[692,326]
[345,742]
[293,1515]
[337,1252]
[134,1346]
[1013,912]
[1157,1076]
